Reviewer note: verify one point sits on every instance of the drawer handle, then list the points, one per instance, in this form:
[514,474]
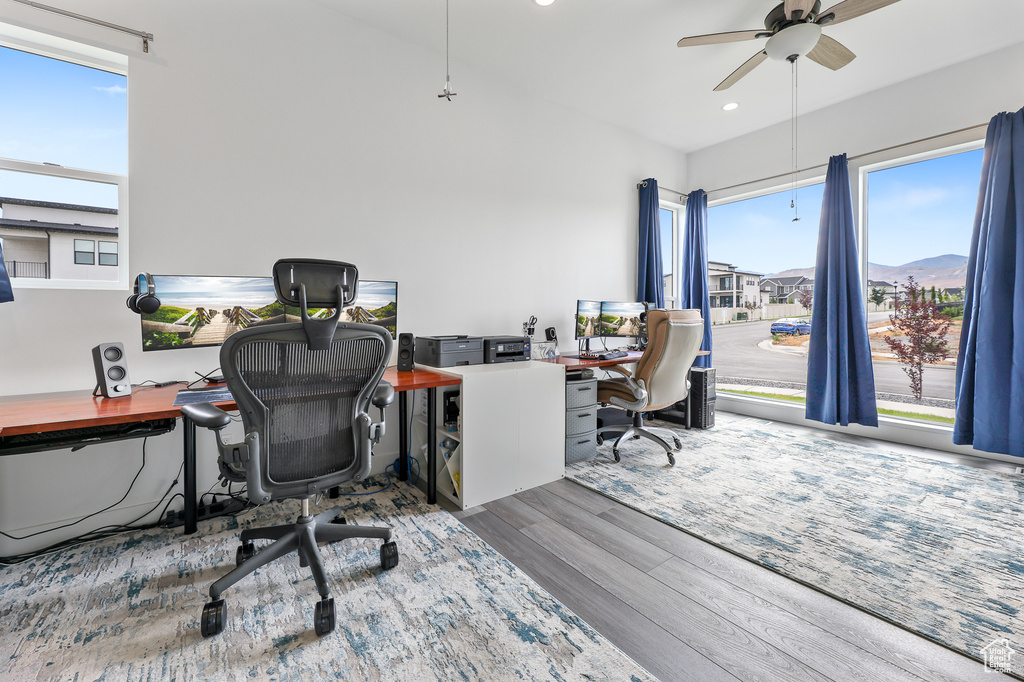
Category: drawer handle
[583,442]
[587,388]
[581,416]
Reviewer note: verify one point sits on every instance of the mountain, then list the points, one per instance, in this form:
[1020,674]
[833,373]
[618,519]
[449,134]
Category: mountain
[949,270]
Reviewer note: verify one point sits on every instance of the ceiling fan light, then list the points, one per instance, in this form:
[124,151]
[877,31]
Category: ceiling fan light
[798,39]
[544,3]
[730,106]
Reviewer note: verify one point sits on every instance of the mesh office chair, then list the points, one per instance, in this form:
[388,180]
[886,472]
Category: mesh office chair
[660,380]
[303,391]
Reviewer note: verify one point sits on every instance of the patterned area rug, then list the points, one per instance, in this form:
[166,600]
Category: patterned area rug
[128,608]
[935,547]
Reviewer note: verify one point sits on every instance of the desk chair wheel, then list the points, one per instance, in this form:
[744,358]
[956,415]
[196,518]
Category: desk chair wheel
[323,616]
[600,439]
[678,443]
[615,453]
[339,519]
[388,556]
[671,460]
[244,552]
[214,617]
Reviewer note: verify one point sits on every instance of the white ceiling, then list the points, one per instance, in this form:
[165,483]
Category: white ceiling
[617,60]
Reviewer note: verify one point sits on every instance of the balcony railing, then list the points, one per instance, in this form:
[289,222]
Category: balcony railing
[21,268]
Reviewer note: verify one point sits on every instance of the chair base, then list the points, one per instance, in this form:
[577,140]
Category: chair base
[638,430]
[302,536]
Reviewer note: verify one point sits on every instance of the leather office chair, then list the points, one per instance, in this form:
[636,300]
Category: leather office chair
[303,390]
[660,380]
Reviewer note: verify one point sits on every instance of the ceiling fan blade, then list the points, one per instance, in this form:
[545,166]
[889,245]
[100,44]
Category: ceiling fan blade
[801,6]
[739,73]
[728,37]
[851,9]
[831,53]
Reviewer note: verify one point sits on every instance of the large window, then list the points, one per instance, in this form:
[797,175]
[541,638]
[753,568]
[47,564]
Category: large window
[919,221]
[668,220]
[63,164]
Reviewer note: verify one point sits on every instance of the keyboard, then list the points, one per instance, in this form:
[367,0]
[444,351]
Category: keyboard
[604,355]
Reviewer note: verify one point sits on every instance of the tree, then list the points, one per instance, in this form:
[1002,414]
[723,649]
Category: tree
[877,296]
[806,299]
[923,330]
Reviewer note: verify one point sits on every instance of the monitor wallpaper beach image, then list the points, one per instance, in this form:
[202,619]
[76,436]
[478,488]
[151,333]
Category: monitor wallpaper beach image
[621,319]
[198,311]
[588,314]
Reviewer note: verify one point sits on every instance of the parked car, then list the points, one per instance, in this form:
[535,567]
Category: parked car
[793,327]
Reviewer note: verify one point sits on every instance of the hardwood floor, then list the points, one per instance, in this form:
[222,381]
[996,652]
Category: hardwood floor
[686,610]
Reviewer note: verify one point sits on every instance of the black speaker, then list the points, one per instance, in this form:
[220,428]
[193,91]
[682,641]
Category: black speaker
[111,370]
[550,334]
[406,346]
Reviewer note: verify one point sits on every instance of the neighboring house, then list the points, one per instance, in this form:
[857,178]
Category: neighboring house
[786,289]
[730,287]
[47,240]
[954,293]
[888,288]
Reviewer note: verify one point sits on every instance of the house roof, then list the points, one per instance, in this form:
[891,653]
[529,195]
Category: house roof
[786,281]
[40,226]
[51,204]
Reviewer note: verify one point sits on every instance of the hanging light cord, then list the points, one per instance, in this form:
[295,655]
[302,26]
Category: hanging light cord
[447,92]
[795,138]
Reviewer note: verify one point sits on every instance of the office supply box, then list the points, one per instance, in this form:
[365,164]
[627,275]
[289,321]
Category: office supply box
[506,348]
[449,351]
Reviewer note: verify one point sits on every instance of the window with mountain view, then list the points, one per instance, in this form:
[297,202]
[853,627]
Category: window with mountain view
[919,220]
[760,277]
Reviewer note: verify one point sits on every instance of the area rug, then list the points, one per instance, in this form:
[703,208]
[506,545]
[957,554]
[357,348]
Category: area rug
[935,547]
[128,608]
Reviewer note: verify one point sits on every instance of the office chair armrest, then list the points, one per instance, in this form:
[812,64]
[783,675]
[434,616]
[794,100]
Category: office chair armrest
[636,386]
[620,369]
[383,395]
[207,415]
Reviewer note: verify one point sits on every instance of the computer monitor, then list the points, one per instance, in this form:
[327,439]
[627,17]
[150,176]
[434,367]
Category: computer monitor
[588,317]
[621,319]
[199,311]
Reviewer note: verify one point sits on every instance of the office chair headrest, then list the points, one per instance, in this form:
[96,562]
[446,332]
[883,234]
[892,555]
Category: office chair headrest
[308,282]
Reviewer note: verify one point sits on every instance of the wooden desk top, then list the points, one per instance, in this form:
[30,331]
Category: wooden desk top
[42,412]
[578,363]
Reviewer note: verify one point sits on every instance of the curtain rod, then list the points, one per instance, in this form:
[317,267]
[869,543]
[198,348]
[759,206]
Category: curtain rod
[682,195]
[852,158]
[146,37]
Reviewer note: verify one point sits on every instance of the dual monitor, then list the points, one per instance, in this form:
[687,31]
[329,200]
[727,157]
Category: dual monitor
[608,318]
[203,311]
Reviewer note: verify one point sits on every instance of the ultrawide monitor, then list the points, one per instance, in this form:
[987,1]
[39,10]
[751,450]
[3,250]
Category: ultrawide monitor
[204,311]
[588,315]
[621,319]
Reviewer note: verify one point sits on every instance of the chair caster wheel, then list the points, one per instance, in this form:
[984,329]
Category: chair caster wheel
[600,440]
[213,618]
[671,460]
[323,616]
[245,552]
[339,520]
[615,453]
[388,555]
[678,443]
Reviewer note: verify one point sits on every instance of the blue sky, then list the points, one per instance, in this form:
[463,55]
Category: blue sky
[915,211]
[67,114]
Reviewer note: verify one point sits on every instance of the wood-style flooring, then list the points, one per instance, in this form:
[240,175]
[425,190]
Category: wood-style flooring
[686,610]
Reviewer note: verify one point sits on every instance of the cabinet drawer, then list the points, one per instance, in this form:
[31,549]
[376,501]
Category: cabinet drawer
[581,447]
[580,393]
[580,420]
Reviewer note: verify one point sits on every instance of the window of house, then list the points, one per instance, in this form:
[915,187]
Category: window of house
[919,220]
[85,252]
[63,161]
[668,219]
[108,253]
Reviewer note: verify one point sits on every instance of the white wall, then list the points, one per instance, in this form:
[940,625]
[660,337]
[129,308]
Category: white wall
[262,129]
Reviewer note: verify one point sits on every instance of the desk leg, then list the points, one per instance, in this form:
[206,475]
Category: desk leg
[403,436]
[189,457]
[431,446]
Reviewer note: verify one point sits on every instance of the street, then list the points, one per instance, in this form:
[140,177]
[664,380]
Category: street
[736,354]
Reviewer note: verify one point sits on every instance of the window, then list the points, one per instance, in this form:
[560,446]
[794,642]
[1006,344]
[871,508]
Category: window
[85,252]
[919,218]
[668,219]
[63,161]
[108,253]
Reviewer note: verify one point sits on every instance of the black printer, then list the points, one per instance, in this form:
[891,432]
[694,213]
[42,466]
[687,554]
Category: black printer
[449,351]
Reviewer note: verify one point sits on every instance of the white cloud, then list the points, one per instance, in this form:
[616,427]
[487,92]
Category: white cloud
[112,89]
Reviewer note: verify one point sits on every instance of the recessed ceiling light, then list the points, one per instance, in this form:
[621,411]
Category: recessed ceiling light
[730,106]
[544,3]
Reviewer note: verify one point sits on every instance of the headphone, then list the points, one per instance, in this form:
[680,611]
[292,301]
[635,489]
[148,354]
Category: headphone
[146,303]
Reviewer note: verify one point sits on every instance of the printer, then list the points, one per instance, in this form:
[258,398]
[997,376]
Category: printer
[449,351]
[506,348]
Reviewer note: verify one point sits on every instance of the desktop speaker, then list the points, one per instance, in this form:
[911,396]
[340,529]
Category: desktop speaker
[406,346]
[111,370]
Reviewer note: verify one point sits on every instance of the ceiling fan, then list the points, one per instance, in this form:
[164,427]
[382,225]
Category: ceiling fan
[793,30]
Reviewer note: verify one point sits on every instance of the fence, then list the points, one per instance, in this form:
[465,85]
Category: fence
[772,311]
[22,268]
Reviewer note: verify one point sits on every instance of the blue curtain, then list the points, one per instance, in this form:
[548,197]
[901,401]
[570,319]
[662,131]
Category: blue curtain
[840,383]
[695,267]
[990,364]
[649,284]
[6,294]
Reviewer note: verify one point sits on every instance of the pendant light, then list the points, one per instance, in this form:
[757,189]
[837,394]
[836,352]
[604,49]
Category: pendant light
[794,137]
[447,92]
